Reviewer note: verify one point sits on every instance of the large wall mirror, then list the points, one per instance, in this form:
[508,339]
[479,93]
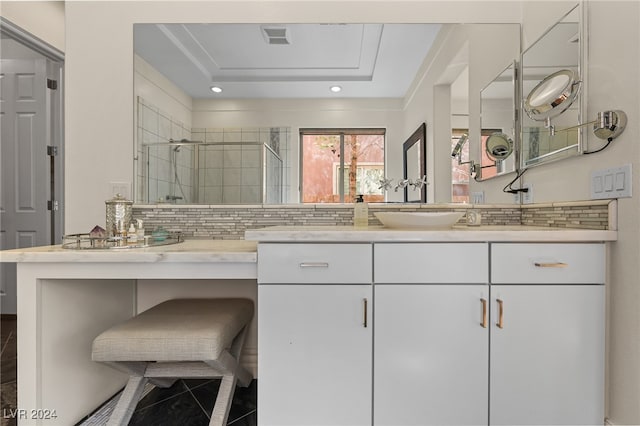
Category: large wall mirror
[498,125]
[558,50]
[219,106]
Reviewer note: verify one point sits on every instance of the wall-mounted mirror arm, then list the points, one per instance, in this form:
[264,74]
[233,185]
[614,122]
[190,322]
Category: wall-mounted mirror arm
[608,126]
[474,168]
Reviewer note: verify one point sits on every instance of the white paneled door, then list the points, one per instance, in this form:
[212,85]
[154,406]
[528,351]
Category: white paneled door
[547,353]
[431,355]
[25,220]
[315,355]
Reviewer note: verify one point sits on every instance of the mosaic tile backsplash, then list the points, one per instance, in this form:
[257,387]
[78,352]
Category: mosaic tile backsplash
[230,222]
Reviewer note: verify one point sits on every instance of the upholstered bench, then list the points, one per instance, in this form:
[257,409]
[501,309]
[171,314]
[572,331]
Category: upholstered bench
[180,338]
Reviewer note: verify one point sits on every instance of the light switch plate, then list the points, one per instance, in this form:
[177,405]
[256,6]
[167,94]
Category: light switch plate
[527,197]
[612,183]
[477,197]
[122,188]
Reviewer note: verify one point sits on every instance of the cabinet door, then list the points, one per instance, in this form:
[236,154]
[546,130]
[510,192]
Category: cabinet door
[431,355]
[547,358]
[315,356]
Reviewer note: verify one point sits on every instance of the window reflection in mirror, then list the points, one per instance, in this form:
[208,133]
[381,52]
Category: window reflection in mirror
[559,48]
[497,108]
[339,164]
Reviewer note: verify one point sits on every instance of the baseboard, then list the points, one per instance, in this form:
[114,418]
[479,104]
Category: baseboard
[608,422]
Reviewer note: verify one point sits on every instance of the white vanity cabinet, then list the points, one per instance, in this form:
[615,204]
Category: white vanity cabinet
[431,346]
[314,334]
[547,334]
[431,333]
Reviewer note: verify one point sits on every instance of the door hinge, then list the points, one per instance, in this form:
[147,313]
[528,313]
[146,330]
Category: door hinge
[52,205]
[52,150]
[52,84]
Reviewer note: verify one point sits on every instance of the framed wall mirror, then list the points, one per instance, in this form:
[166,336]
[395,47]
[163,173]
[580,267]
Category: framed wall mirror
[560,49]
[222,104]
[498,124]
[414,161]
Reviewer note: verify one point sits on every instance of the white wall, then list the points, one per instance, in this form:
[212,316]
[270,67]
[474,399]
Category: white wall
[156,89]
[613,83]
[43,19]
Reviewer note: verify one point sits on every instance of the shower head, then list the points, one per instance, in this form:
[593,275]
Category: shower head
[182,142]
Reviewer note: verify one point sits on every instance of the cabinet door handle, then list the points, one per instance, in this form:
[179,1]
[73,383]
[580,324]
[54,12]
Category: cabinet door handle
[484,312]
[314,265]
[500,322]
[365,309]
[551,264]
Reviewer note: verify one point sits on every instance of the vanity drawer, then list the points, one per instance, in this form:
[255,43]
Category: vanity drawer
[548,263]
[431,263]
[314,263]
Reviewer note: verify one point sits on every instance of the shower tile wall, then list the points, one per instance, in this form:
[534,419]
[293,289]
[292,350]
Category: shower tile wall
[154,169]
[232,173]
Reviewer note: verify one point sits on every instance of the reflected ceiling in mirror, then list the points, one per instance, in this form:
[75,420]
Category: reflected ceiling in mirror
[559,49]
[287,60]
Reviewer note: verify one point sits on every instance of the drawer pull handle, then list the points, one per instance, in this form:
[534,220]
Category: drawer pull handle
[314,265]
[365,308]
[500,322]
[551,264]
[484,313]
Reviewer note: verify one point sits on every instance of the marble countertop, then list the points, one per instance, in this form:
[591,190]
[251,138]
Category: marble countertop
[189,251]
[244,251]
[461,233]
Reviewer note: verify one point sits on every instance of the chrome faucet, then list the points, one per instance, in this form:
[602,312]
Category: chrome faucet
[385,184]
[419,183]
[402,183]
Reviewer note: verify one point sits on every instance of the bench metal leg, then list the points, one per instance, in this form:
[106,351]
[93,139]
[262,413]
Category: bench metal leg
[128,400]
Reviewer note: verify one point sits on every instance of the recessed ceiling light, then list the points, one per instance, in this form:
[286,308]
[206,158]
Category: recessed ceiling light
[216,89]
[335,89]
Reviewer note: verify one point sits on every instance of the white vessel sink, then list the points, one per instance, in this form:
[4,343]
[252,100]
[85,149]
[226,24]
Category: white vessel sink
[431,220]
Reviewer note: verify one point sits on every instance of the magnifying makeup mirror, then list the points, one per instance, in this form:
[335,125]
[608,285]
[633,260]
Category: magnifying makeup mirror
[499,146]
[552,96]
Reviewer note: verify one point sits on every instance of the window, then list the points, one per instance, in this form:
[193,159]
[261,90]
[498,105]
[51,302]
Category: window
[338,164]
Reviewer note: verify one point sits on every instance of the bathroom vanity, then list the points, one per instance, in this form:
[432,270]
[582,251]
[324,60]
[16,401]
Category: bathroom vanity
[357,326]
[485,325]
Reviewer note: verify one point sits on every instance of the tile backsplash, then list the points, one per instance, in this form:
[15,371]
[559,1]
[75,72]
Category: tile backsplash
[230,222]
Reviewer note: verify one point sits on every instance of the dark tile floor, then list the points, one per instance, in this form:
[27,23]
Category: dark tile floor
[186,403]
[8,365]
[190,402]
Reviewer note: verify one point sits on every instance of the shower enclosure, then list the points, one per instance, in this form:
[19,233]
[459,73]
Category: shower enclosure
[198,172]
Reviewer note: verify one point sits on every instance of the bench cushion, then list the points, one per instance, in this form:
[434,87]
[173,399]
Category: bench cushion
[176,330]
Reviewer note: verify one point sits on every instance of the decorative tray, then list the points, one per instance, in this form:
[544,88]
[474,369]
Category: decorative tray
[87,242]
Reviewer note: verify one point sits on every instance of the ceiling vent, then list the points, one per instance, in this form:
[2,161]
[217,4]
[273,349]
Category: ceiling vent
[276,35]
